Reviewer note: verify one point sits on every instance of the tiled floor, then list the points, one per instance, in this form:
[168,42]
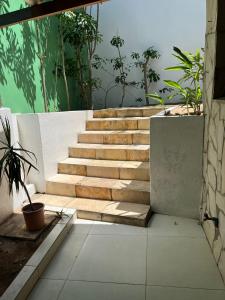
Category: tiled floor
[170,260]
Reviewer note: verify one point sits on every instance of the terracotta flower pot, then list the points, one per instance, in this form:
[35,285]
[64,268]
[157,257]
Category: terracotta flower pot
[34,219]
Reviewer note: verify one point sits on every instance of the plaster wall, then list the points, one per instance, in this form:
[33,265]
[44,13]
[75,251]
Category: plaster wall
[176,165]
[6,201]
[144,23]
[48,135]
[213,197]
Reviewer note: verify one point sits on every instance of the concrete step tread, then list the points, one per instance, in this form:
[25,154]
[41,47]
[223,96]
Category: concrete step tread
[118,119]
[123,210]
[106,163]
[137,131]
[111,146]
[106,183]
[127,112]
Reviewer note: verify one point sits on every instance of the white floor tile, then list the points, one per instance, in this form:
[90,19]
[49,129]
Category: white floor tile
[46,289]
[111,258]
[82,226]
[98,291]
[109,228]
[162,225]
[181,262]
[161,293]
[63,260]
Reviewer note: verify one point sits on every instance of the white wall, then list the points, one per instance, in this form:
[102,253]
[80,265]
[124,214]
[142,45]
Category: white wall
[6,202]
[49,135]
[144,23]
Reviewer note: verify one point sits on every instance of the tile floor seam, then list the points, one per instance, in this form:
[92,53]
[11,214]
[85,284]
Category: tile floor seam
[176,236]
[146,265]
[66,279]
[184,287]
[106,282]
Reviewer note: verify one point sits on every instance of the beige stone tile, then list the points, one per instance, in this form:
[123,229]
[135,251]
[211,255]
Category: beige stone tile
[85,204]
[132,112]
[104,172]
[141,138]
[114,154]
[137,171]
[82,152]
[120,138]
[138,155]
[58,188]
[72,169]
[90,138]
[144,124]
[148,112]
[131,196]
[105,113]
[53,200]
[89,215]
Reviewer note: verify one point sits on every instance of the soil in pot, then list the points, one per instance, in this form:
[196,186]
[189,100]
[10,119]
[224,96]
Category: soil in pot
[34,216]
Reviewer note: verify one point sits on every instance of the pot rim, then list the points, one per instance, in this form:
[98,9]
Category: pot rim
[35,210]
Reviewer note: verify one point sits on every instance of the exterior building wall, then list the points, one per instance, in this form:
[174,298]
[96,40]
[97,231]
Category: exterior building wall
[213,200]
[20,68]
[144,23]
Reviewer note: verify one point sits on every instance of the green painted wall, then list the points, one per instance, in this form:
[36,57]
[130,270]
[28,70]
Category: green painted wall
[20,72]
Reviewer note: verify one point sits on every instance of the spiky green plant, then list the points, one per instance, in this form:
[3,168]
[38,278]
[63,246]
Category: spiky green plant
[13,165]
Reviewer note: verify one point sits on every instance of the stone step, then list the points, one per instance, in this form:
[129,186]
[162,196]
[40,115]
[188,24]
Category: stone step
[128,137]
[140,123]
[99,210]
[97,188]
[111,152]
[127,112]
[114,169]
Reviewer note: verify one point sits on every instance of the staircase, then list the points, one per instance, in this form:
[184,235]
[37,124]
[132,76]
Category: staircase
[107,172]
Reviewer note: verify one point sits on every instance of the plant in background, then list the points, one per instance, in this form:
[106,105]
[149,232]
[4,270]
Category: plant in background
[144,62]
[81,31]
[163,97]
[13,165]
[121,67]
[192,66]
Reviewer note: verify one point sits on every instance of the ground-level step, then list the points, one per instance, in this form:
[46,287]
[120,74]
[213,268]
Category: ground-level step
[127,112]
[111,152]
[134,170]
[126,137]
[132,191]
[139,123]
[98,210]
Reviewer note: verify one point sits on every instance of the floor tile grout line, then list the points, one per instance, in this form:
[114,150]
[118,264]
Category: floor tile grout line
[185,287]
[70,270]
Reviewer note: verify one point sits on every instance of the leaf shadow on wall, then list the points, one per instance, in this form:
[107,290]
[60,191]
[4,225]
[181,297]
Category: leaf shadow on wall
[18,58]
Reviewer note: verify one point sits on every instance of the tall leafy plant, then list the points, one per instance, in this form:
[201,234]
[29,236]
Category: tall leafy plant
[15,161]
[121,67]
[81,31]
[143,62]
[189,86]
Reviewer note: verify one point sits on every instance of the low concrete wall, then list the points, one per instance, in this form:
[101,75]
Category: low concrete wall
[6,201]
[48,135]
[176,164]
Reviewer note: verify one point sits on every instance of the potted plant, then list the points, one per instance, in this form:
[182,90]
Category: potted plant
[15,165]
[177,141]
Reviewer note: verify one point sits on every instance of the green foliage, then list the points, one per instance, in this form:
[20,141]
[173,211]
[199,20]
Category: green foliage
[80,30]
[120,66]
[192,67]
[144,62]
[13,164]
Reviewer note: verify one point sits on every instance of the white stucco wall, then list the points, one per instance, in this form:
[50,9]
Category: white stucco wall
[49,135]
[6,201]
[144,23]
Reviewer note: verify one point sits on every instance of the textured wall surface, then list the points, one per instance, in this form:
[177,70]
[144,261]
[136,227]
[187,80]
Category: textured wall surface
[144,23]
[176,165]
[214,147]
[20,72]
